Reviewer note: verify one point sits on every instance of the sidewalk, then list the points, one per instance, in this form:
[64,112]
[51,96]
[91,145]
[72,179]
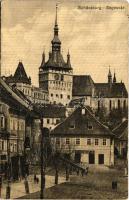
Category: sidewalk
[18,188]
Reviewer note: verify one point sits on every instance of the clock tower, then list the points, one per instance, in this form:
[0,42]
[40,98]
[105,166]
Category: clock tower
[56,75]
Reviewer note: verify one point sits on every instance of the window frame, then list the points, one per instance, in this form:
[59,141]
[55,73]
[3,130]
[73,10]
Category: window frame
[104,142]
[77,141]
[96,141]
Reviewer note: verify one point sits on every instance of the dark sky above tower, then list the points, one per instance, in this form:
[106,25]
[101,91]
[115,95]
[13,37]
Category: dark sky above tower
[95,38]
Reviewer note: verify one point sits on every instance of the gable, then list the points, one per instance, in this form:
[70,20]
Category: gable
[81,124]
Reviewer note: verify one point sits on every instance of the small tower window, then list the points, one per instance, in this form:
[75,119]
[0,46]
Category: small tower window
[118,104]
[67,141]
[124,104]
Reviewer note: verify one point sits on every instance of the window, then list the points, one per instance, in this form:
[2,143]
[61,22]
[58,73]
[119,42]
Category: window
[72,124]
[61,96]
[124,104]
[68,96]
[48,121]
[2,122]
[98,105]
[118,104]
[51,95]
[88,141]
[57,121]
[89,126]
[58,141]
[56,95]
[96,141]
[62,77]
[77,141]
[110,104]
[104,141]
[2,145]
[67,141]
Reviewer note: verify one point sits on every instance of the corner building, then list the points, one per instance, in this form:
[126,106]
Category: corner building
[56,75]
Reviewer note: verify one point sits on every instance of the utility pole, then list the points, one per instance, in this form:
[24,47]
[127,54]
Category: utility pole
[42,162]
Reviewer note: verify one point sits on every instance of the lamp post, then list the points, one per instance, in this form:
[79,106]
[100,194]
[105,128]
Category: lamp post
[42,163]
[8,188]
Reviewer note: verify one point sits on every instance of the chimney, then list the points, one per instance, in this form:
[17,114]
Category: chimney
[83,111]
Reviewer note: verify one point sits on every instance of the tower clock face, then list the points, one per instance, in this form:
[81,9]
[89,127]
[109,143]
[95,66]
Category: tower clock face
[56,77]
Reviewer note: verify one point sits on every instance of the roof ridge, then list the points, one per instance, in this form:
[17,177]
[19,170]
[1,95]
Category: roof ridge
[119,125]
[105,127]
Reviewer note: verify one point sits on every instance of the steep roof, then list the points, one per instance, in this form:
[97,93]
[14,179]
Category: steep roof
[116,90]
[121,131]
[80,124]
[82,85]
[20,74]
[56,61]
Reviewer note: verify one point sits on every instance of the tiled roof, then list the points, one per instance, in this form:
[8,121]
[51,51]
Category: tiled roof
[20,76]
[80,123]
[56,61]
[116,90]
[82,85]
[121,131]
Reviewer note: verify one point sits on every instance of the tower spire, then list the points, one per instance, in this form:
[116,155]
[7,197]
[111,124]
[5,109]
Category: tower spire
[114,78]
[68,59]
[56,24]
[56,43]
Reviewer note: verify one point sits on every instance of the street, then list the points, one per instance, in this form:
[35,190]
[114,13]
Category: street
[18,188]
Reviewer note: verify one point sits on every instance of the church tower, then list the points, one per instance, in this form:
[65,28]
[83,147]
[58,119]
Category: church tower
[56,75]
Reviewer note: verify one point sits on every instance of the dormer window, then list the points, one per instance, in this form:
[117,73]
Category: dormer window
[72,124]
[89,126]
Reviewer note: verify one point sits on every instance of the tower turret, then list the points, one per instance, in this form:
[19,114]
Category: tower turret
[109,77]
[68,60]
[114,78]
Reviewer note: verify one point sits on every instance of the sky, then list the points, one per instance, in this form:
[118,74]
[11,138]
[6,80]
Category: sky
[96,38]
